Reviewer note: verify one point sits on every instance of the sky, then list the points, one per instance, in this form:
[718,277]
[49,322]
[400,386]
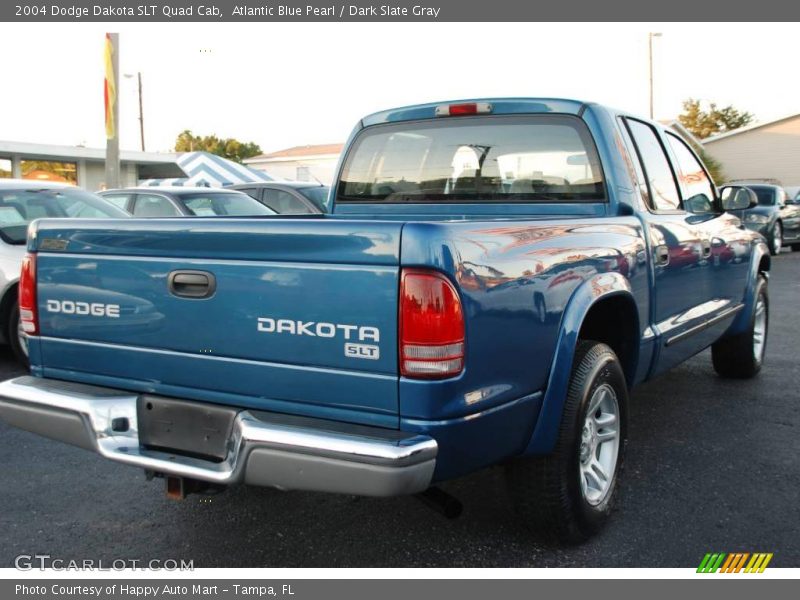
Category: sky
[289,84]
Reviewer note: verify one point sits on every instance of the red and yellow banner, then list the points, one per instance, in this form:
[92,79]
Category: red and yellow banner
[110,88]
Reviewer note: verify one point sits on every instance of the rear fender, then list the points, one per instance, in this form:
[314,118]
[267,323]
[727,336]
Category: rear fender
[602,285]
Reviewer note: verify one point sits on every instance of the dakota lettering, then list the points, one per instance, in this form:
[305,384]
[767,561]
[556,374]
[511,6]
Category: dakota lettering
[321,329]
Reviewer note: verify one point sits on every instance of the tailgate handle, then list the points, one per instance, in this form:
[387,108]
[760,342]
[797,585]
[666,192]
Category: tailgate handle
[192,284]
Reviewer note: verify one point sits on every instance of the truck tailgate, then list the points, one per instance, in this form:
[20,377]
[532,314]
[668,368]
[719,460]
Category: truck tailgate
[300,315]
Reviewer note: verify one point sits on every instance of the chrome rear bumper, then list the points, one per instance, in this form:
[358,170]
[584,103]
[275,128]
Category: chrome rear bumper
[266,449]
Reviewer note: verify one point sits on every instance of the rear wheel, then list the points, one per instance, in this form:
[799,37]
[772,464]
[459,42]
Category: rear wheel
[795,247]
[16,336]
[776,239]
[741,356]
[568,496]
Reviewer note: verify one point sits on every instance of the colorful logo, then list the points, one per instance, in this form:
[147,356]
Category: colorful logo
[720,562]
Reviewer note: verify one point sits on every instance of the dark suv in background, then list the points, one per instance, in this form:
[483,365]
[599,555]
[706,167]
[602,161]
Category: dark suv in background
[289,197]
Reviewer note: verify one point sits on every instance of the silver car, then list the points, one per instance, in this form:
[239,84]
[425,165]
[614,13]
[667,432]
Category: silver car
[22,201]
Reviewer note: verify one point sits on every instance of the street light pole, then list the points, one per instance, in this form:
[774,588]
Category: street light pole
[141,106]
[650,37]
[141,110]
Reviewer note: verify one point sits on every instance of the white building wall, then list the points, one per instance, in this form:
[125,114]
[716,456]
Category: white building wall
[772,151]
[321,169]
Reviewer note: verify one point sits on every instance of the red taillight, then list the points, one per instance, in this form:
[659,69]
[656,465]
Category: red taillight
[431,326]
[465,108]
[27,296]
[470,108]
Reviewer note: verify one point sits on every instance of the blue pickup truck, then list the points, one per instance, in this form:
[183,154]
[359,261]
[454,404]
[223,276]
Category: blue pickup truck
[493,278]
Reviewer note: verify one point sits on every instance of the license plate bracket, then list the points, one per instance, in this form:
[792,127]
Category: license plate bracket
[185,427]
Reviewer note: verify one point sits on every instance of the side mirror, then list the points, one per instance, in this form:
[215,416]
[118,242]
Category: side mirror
[737,197]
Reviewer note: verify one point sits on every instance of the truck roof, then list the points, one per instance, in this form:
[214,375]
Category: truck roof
[506,106]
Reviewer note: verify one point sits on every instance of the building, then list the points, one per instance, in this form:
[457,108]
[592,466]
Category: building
[82,166]
[769,150]
[301,163]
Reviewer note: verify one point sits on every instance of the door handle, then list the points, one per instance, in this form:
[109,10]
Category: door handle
[192,284]
[662,255]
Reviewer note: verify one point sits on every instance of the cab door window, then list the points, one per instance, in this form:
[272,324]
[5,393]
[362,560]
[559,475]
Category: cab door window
[698,190]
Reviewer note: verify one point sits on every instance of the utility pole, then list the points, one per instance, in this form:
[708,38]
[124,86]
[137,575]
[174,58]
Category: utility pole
[650,37]
[112,110]
[141,106]
[141,109]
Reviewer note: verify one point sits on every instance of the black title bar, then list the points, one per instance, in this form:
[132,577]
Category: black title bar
[216,11]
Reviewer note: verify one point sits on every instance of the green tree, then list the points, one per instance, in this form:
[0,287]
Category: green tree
[713,165]
[229,148]
[704,123]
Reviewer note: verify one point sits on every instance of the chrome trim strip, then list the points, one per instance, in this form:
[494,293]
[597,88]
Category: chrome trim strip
[98,407]
[704,325]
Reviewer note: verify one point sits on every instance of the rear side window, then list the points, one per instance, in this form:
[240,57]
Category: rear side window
[231,204]
[663,191]
[542,158]
[18,207]
[118,200]
[284,203]
[149,205]
[252,192]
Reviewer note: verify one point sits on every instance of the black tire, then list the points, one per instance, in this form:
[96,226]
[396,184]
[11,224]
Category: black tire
[12,333]
[776,239]
[735,357]
[795,247]
[546,491]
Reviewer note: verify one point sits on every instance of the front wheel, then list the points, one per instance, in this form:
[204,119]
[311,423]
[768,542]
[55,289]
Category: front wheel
[741,356]
[568,496]
[776,239]
[16,336]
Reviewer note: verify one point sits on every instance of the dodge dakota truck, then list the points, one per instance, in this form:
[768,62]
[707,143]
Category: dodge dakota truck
[492,279]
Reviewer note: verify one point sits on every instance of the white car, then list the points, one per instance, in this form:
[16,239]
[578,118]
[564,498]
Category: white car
[22,201]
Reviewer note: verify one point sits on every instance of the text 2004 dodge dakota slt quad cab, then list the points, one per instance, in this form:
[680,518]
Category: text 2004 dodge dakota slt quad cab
[493,278]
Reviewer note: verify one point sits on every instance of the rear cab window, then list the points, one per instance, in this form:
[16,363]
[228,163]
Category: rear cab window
[534,158]
[662,189]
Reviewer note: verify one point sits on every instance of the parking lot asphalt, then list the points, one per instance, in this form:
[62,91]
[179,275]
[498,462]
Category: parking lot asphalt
[712,465]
